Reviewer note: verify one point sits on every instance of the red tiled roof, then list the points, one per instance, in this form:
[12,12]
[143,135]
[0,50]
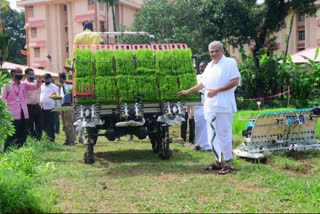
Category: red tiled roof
[37,72]
[310,53]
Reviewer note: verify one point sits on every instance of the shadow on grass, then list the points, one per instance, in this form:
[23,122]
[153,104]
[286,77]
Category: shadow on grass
[303,155]
[134,162]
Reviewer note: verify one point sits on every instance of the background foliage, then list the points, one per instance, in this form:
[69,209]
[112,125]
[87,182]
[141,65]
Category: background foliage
[13,24]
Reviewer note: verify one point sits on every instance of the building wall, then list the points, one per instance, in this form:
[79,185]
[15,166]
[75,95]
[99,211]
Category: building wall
[311,27]
[62,21]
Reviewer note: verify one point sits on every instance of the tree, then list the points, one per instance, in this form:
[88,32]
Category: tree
[169,22]
[244,22]
[112,4]
[3,4]
[13,25]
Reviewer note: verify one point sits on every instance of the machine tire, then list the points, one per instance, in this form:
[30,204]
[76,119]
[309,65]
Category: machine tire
[165,155]
[88,159]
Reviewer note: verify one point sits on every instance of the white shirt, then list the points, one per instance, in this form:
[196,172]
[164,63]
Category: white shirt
[33,97]
[217,75]
[199,79]
[46,102]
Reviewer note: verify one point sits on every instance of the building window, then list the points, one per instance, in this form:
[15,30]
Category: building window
[102,28]
[67,50]
[101,5]
[30,11]
[66,29]
[302,17]
[37,52]
[301,35]
[65,7]
[90,4]
[33,32]
[42,68]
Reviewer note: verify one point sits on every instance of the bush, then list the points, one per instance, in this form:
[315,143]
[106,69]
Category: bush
[6,127]
[21,176]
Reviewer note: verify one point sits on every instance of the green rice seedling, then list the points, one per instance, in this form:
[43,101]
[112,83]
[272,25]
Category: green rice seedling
[124,62]
[69,76]
[80,85]
[104,62]
[165,64]
[187,81]
[183,61]
[105,90]
[127,88]
[68,61]
[168,87]
[84,60]
[144,58]
[147,87]
[145,71]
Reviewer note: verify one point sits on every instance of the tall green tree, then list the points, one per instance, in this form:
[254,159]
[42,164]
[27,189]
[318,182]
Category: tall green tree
[13,25]
[170,22]
[111,3]
[244,22]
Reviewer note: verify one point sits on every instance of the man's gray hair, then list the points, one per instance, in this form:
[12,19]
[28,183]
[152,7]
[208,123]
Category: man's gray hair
[216,43]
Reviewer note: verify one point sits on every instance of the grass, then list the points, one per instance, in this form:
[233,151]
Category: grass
[129,177]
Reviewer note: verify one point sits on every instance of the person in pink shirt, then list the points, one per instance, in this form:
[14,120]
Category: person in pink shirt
[15,96]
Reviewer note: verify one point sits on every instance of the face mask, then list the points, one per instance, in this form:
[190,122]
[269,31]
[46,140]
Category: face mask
[47,83]
[19,76]
[31,79]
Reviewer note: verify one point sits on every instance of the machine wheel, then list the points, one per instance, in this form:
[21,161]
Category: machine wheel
[91,140]
[165,155]
[165,152]
[89,155]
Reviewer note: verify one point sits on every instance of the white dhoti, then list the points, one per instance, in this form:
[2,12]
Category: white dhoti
[219,129]
[201,128]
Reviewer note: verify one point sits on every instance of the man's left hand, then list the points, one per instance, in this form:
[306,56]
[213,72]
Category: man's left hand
[212,92]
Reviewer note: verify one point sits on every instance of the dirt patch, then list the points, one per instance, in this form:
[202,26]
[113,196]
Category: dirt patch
[248,187]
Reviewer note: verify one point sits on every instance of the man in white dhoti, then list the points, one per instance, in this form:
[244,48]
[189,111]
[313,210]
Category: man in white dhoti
[220,80]
[200,122]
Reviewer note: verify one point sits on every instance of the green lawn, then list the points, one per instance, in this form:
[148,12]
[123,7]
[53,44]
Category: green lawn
[129,177]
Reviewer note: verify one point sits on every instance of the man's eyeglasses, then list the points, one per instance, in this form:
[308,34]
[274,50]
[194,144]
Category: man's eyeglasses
[216,51]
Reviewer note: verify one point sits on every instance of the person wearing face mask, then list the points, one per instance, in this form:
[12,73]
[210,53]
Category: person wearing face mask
[48,104]
[34,123]
[67,116]
[15,96]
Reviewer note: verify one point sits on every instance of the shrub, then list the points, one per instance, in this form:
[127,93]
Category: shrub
[6,127]
[21,176]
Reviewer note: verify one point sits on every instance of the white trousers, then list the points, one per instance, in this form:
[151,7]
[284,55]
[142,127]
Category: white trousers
[201,128]
[222,134]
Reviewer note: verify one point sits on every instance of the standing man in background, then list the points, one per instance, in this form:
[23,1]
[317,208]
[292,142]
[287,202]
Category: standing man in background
[189,116]
[48,104]
[199,120]
[220,79]
[67,116]
[16,97]
[34,124]
[87,37]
